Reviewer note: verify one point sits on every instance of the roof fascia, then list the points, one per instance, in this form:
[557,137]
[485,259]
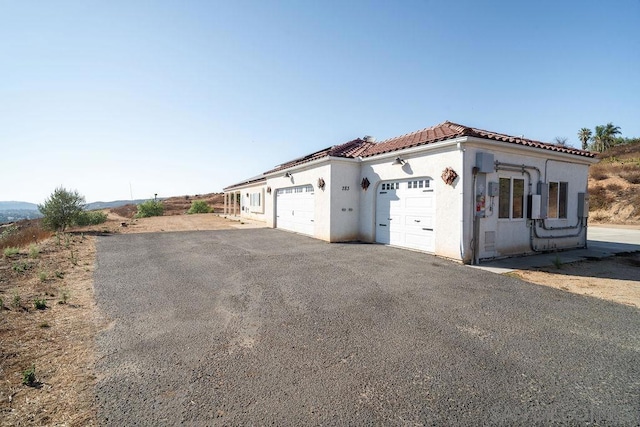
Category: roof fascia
[311,164]
[538,152]
[245,185]
[419,148]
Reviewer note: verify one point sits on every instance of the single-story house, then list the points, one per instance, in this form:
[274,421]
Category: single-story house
[451,190]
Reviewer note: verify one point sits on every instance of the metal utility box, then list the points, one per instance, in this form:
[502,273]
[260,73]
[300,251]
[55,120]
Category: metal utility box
[543,191]
[484,162]
[533,206]
[493,189]
[583,205]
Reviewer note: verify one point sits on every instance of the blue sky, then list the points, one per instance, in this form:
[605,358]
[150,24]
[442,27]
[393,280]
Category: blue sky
[187,97]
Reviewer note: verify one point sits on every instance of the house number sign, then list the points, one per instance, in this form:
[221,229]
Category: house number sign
[345,188]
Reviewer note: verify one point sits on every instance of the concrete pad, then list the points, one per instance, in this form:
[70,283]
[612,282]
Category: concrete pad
[602,242]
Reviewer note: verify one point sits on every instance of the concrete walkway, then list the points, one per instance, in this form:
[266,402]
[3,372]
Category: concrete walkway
[602,242]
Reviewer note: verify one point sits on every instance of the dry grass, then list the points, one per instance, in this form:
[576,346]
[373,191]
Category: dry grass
[58,340]
[28,231]
[176,205]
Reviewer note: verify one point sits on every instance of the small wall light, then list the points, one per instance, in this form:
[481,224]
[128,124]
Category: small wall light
[321,183]
[399,161]
[269,190]
[287,175]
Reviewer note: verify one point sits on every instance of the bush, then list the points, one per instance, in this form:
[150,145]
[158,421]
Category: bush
[199,206]
[150,208]
[29,376]
[61,209]
[40,303]
[90,218]
[11,251]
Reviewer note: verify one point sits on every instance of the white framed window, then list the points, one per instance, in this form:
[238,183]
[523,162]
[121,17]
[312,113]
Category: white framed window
[557,199]
[423,183]
[256,202]
[511,198]
[391,186]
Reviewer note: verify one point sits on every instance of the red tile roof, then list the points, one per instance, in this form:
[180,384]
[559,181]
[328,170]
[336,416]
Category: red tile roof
[449,130]
[349,149]
[444,131]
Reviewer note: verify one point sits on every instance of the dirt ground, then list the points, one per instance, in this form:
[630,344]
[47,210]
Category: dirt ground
[615,279]
[59,340]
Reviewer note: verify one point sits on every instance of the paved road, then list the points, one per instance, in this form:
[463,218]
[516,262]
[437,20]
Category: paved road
[267,327]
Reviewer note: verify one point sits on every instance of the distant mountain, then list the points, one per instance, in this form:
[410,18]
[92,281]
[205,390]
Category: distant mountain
[114,204]
[25,206]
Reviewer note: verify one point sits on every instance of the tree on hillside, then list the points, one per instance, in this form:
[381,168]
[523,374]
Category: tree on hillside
[604,136]
[584,135]
[61,209]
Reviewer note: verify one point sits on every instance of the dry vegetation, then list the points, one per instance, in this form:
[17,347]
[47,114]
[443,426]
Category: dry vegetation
[56,338]
[177,205]
[614,186]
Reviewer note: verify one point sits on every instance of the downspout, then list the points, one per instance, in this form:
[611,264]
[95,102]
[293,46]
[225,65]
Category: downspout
[462,241]
[474,218]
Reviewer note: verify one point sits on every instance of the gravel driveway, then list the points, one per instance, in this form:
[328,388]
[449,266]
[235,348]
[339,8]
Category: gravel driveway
[266,327]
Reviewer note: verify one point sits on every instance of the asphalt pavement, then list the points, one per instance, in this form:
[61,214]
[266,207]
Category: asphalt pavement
[265,327]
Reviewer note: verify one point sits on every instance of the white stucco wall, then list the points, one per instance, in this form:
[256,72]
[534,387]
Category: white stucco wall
[513,236]
[304,175]
[429,162]
[344,188]
[245,192]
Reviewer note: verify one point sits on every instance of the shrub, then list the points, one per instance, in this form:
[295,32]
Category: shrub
[42,276]
[614,187]
[34,251]
[150,208]
[631,176]
[40,303]
[64,297]
[1,304]
[90,218]
[61,209]
[20,267]
[11,251]
[29,376]
[16,300]
[199,206]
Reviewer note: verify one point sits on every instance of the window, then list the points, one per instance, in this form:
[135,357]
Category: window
[557,200]
[511,198]
[256,202]
[418,184]
[391,186]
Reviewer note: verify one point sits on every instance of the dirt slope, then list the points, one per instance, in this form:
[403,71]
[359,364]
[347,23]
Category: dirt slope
[614,186]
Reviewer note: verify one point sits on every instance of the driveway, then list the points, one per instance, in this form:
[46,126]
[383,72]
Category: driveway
[267,327]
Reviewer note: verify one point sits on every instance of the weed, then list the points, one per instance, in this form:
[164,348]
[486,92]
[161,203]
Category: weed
[44,324]
[64,297]
[34,251]
[57,239]
[20,267]
[67,241]
[16,300]
[29,376]
[1,304]
[74,259]
[11,251]
[59,274]
[557,262]
[42,276]
[40,304]
[614,187]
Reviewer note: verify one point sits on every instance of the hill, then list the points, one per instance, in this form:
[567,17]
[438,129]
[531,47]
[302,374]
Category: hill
[176,205]
[614,186]
[25,206]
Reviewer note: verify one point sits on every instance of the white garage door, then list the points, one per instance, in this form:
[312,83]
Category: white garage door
[295,209]
[405,214]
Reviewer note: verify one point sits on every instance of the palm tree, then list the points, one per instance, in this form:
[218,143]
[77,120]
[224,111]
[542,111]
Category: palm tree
[604,137]
[584,135]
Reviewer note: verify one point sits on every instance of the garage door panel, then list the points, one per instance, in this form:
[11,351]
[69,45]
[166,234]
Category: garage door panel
[406,216]
[295,209]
